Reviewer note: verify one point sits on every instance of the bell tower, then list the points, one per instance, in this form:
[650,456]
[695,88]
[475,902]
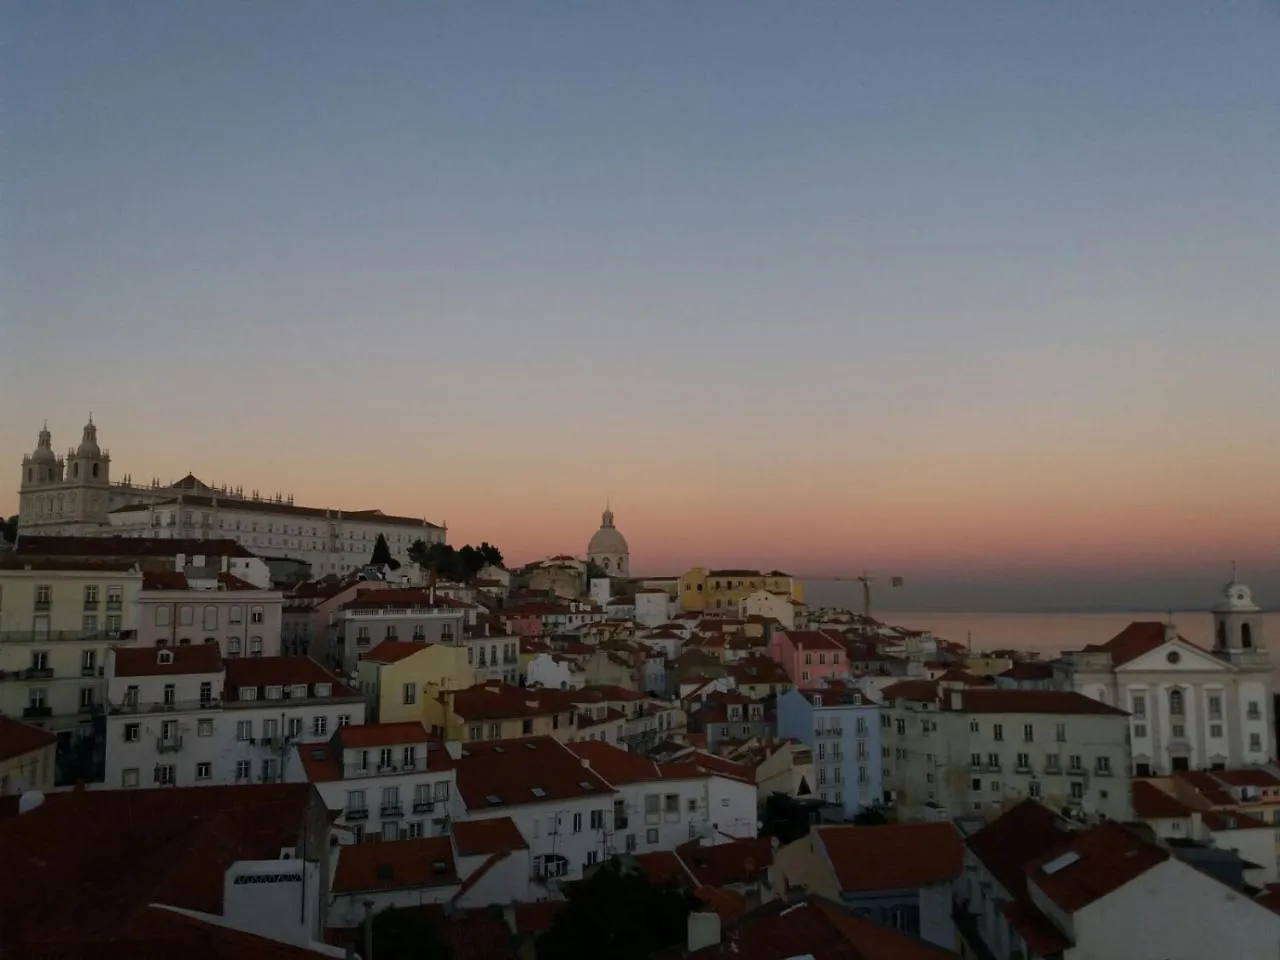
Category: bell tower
[1237,622]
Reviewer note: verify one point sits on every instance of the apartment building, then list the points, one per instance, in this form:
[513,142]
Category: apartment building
[724,590]
[399,678]
[184,716]
[180,608]
[842,729]
[949,751]
[387,780]
[810,657]
[205,558]
[57,619]
[409,614]
[499,711]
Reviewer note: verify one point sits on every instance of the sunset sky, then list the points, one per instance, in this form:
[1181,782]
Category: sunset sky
[967,292]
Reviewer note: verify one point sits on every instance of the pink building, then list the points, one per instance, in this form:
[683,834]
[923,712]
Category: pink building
[187,609]
[809,656]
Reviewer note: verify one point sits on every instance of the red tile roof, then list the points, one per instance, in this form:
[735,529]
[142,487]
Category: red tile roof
[94,861]
[38,546]
[9,561]
[260,672]
[537,917]
[898,856]
[911,690]
[1018,836]
[1029,670]
[619,767]
[663,867]
[811,639]
[1260,778]
[1217,820]
[147,661]
[481,838]
[393,651]
[18,739]
[270,506]
[505,773]
[499,701]
[1108,856]
[735,861]
[164,580]
[399,865]
[388,735]
[1152,803]
[1139,637]
[398,598]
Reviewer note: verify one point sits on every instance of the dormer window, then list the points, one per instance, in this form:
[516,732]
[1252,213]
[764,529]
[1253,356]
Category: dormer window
[817,700]
[323,689]
[298,691]
[275,693]
[248,693]
[164,656]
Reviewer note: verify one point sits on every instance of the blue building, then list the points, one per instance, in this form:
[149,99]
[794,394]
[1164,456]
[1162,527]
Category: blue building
[842,728]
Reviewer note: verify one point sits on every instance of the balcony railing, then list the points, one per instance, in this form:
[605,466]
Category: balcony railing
[177,706]
[35,712]
[38,673]
[68,636]
[423,806]
[91,605]
[87,671]
[392,810]
[358,813]
[168,744]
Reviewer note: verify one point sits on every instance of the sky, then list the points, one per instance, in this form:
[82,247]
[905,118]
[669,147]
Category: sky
[976,294]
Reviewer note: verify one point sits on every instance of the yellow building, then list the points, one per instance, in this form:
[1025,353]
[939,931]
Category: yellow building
[400,680]
[57,618]
[724,590]
[26,757]
[500,711]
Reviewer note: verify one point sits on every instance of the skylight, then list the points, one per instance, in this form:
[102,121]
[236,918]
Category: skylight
[1060,862]
[493,798]
[585,785]
[537,791]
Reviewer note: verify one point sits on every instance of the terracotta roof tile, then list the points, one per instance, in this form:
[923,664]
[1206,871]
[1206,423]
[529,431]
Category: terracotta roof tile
[40,546]
[167,661]
[812,639]
[1029,670]
[393,651]
[899,856]
[495,701]
[1152,803]
[663,867]
[1139,637]
[1032,701]
[18,739]
[399,865]
[260,672]
[1263,779]
[925,690]
[480,838]
[744,861]
[1220,820]
[391,735]
[505,773]
[537,917]
[1107,857]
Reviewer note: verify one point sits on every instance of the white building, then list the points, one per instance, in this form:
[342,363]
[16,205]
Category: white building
[182,716]
[608,548]
[654,606]
[74,495]
[408,613]
[1038,886]
[1191,708]
[184,608]
[952,751]
[388,780]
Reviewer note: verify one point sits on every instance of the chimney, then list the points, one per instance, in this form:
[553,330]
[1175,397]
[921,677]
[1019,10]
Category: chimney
[704,930]
[957,699]
[1170,632]
[586,763]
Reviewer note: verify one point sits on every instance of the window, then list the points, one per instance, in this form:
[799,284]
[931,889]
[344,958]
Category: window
[1075,762]
[1252,711]
[1077,790]
[577,823]
[1255,742]
[1033,789]
[204,727]
[1177,704]
[1104,766]
[384,758]
[901,726]
[170,694]
[1140,731]
[997,731]
[242,770]
[390,800]
[1139,705]
[975,783]
[162,616]
[391,831]
[244,729]
[255,646]
[129,778]
[651,836]
[993,761]
[415,829]
[526,727]
[275,693]
[410,693]
[475,732]
[631,842]
[295,726]
[186,616]
[355,801]
[131,731]
[204,771]
[344,719]
[1215,706]
[974,726]
[1060,732]
[495,731]
[1179,731]
[1029,733]
[975,759]
[233,647]
[164,774]
[1215,731]
[1024,761]
[206,692]
[255,614]
[442,790]
[210,617]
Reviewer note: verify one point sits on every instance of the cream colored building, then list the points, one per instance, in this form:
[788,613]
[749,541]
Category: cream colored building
[57,618]
[723,590]
[399,679]
[74,494]
[27,757]
[783,607]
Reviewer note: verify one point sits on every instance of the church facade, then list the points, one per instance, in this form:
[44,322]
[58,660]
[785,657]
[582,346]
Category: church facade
[1190,707]
[74,495]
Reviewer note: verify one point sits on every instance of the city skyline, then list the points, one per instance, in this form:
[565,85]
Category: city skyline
[978,296]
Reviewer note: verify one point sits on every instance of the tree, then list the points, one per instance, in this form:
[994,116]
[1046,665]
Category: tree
[491,554]
[450,564]
[870,817]
[382,554]
[9,529]
[595,571]
[617,914]
[405,934]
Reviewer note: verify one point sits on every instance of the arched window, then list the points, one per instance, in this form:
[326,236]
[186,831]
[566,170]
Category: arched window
[31,475]
[75,470]
[605,563]
[1246,636]
[95,469]
[1176,704]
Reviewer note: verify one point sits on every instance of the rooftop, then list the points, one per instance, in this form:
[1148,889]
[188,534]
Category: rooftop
[482,838]
[898,856]
[281,672]
[399,865]
[499,701]
[167,661]
[274,506]
[1031,701]
[38,546]
[18,739]
[505,773]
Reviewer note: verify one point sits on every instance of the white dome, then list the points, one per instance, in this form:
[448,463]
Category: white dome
[607,540]
[1236,598]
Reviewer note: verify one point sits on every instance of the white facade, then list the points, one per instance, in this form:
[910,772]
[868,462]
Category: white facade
[240,622]
[654,607]
[555,672]
[358,629]
[65,495]
[188,729]
[954,757]
[1191,708]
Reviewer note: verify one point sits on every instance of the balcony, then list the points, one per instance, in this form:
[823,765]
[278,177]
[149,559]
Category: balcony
[424,806]
[115,604]
[42,606]
[68,636]
[358,813]
[177,706]
[91,606]
[36,712]
[86,671]
[392,810]
[168,744]
[87,709]
[1077,772]
[1102,772]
